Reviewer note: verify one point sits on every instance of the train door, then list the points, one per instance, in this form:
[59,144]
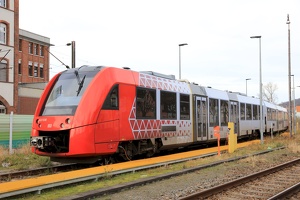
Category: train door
[234,115]
[201,118]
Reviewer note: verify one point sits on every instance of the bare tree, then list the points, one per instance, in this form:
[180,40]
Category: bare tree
[268,92]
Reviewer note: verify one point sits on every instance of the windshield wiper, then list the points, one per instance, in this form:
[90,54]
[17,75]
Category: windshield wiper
[80,82]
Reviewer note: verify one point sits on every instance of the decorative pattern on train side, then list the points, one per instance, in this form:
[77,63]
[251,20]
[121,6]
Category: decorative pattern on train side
[154,82]
[151,128]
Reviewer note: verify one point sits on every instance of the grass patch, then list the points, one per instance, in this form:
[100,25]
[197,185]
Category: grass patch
[21,159]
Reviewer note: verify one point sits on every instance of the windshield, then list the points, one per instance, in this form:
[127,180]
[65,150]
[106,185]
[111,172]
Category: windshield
[68,90]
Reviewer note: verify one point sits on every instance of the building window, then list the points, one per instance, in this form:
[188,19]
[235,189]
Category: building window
[30,69]
[20,45]
[3,70]
[41,70]
[2,108]
[145,103]
[35,49]
[168,105]
[41,50]
[35,70]
[30,47]
[3,3]
[20,67]
[3,32]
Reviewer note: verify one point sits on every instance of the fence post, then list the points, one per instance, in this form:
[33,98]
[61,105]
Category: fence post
[10,132]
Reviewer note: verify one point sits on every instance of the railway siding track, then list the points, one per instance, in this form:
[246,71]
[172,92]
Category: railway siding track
[273,183]
[8,176]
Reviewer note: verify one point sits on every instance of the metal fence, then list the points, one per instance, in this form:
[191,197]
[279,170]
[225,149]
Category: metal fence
[18,126]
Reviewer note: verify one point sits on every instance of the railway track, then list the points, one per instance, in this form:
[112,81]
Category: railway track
[274,183]
[8,176]
[145,181]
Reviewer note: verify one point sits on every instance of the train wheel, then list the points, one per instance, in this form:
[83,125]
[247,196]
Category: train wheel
[107,161]
[256,134]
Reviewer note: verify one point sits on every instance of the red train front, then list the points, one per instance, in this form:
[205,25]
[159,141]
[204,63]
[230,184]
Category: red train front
[84,115]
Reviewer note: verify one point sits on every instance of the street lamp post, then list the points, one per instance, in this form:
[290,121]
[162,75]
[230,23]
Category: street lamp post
[247,79]
[260,91]
[180,45]
[293,107]
[289,74]
[295,122]
[73,52]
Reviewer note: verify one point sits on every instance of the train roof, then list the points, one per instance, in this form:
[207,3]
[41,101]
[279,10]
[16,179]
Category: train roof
[217,94]
[198,90]
[172,77]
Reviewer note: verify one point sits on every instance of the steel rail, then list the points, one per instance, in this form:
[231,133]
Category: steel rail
[287,192]
[217,189]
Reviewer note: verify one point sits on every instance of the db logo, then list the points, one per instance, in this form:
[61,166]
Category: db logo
[49,126]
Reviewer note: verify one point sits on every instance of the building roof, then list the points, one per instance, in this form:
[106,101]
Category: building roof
[34,37]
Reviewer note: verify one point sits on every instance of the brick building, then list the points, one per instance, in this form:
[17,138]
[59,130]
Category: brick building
[24,63]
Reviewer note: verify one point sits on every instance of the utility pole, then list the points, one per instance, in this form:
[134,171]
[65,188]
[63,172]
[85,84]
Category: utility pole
[289,75]
[72,52]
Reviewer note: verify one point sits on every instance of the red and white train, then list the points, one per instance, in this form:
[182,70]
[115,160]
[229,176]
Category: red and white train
[96,113]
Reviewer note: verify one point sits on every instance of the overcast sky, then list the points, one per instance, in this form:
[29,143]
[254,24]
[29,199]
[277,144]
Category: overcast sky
[144,35]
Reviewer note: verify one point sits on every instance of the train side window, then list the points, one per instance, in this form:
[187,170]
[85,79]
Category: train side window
[224,113]
[273,114]
[269,114]
[112,100]
[184,107]
[213,112]
[248,111]
[243,111]
[168,105]
[255,112]
[145,103]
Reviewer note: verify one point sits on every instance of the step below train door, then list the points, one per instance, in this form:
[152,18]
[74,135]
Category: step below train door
[201,118]
[234,115]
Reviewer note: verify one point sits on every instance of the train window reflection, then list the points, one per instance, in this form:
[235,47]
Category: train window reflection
[67,92]
[249,111]
[224,113]
[255,112]
[112,99]
[184,107]
[168,105]
[243,111]
[145,103]
[213,112]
